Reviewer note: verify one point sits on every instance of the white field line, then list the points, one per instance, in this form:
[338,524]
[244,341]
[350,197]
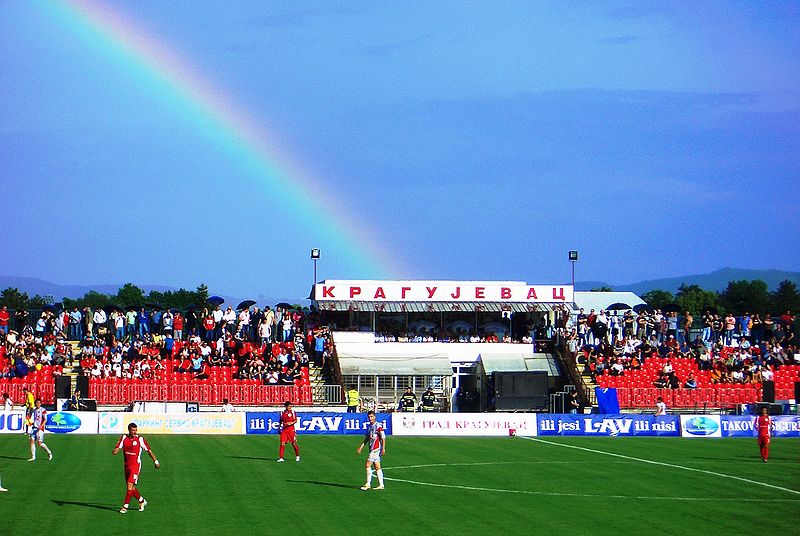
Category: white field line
[665,464]
[583,495]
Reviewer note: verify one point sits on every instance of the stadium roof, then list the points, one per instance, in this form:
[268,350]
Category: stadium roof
[365,362]
[600,300]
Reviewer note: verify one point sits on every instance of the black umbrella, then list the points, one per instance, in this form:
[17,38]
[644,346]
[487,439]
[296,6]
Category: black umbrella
[216,300]
[284,305]
[619,306]
[671,308]
[644,308]
[246,304]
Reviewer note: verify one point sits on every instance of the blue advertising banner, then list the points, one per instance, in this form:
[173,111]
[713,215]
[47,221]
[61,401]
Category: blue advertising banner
[316,423]
[744,426]
[608,425]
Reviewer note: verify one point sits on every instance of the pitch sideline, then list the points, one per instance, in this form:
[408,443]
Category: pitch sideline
[664,464]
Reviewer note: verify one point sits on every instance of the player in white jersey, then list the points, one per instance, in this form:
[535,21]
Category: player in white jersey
[38,424]
[375,438]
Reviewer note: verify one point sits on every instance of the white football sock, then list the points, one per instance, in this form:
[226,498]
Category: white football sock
[380,477]
[33,450]
[47,450]
[369,476]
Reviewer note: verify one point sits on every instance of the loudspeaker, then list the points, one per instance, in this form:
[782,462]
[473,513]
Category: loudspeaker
[62,387]
[520,390]
[768,391]
[82,385]
[796,391]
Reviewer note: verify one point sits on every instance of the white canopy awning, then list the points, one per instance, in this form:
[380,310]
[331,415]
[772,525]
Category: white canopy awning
[394,364]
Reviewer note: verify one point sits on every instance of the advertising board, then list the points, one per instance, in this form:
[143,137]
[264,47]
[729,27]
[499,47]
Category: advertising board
[463,424]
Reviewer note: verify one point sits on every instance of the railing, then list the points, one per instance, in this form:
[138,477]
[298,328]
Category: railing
[336,370]
[329,395]
[570,366]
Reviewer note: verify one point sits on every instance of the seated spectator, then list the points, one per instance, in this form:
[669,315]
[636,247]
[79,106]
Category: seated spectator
[661,382]
[691,382]
[673,381]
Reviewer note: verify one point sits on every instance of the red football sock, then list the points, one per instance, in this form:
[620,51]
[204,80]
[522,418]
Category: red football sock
[281,450]
[135,494]
[128,496]
[765,452]
[296,449]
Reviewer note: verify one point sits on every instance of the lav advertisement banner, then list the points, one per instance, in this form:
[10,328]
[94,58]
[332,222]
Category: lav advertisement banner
[268,422]
[744,426]
[608,425]
[464,424]
[175,423]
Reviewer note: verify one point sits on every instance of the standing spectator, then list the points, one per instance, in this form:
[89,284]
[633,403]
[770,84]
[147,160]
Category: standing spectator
[229,319]
[730,327]
[8,405]
[687,326]
[287,327]
[143,318]
[244,324]
[20,319]
[278,331]
[255,321]
[319,347]
[574,404]
[353,399]
[88,322]
[661,407]
[708,322]
[4,318]
[217,315]
[672,325]
[177,326]
[130,323]
[269,316]
[745,323]
[210,327]
[264,331]
[118,320]
[75,325]
[99,320]
[167,320]
[227,407]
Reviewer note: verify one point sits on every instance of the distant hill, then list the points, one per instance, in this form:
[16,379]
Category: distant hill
[716,281]
[33,286]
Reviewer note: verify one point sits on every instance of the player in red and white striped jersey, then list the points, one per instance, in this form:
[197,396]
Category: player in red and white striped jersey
[132,445]
[375,438]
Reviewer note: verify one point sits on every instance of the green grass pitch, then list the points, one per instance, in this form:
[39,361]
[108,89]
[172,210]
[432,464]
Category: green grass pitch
[231,485]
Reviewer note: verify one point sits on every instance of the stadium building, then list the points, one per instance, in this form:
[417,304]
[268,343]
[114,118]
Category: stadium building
[453,336]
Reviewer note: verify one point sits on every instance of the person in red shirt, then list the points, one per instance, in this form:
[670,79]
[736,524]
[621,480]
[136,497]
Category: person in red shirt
[4,317]
[132,445]
[288,420]
[764,428]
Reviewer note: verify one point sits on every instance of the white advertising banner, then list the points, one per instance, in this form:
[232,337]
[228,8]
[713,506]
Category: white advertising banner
[441,291]
[175,423]
[701,426]
[464,424]
[12,422]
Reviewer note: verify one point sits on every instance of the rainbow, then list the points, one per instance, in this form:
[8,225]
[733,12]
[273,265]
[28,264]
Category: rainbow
[216,115]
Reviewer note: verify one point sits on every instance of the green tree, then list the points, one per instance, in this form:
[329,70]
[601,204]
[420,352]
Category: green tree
[694,299]
[741,296]
[95,300]
[658,298]
[602,289]
[785,298]
[37,302]
[130,296]
[13,298]
[201,295]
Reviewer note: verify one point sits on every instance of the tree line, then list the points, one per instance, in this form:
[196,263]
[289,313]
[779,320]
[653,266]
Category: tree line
[129,295]
[739,297]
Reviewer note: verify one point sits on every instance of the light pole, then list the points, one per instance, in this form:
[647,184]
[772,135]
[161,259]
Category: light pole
[573,258]
[315,258]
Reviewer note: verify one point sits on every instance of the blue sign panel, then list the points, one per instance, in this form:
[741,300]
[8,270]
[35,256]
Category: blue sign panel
[608,425]
[316,423]
[744,426]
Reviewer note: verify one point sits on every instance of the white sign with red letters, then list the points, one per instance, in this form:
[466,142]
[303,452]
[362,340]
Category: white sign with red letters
[441,291]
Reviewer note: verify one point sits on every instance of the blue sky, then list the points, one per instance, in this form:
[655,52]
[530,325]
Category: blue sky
[474,140]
